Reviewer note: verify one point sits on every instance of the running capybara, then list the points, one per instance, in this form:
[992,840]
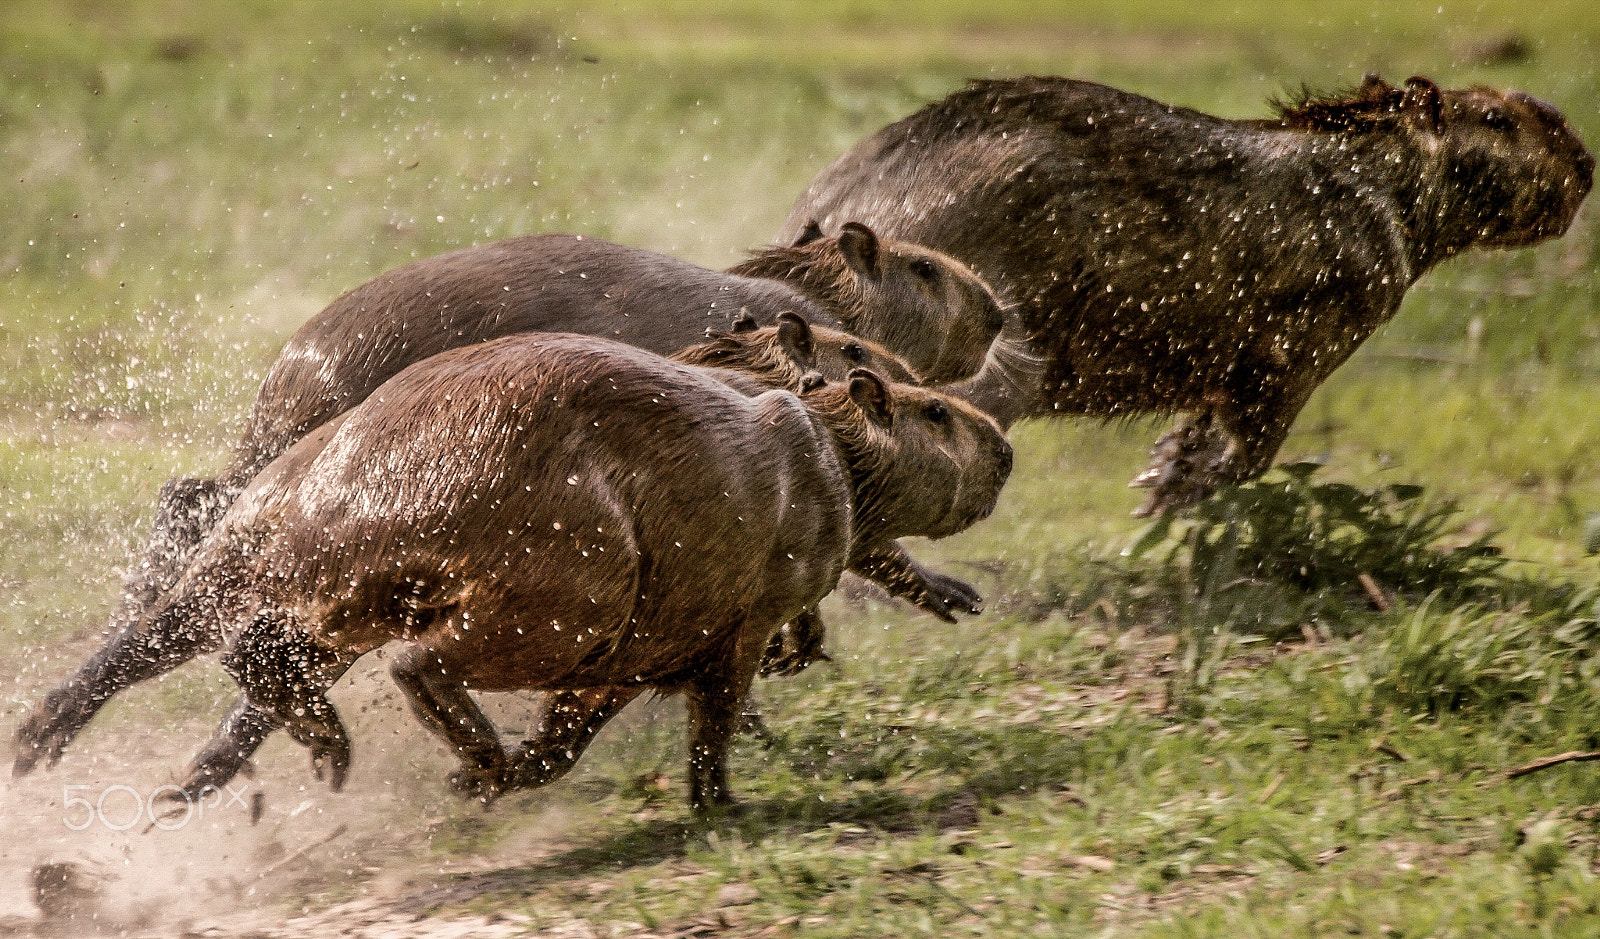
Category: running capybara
[563,513]
[748,358]
[930,307]
[1165,260]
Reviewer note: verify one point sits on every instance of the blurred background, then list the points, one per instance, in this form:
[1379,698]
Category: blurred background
[184,183]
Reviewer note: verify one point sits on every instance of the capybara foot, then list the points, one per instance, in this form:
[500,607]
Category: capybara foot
[482,784]
[170,804]
[228,752]
[524,768]
[1187,464]
[42,737]
[717,807]
[315,725]
[330,759]
[795,646]
[946,596]
[751,723]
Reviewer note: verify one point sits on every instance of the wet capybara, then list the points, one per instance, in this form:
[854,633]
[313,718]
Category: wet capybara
[919,302]
[563,513]
[925,307]
[1165,260]
[748,358]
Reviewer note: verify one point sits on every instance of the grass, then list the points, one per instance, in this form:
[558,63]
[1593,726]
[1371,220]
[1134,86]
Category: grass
[1102,753]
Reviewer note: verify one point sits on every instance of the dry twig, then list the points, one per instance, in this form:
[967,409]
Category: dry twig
[1545,762]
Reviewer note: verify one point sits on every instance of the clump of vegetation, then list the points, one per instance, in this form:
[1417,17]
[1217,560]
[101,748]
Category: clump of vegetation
[1324,538]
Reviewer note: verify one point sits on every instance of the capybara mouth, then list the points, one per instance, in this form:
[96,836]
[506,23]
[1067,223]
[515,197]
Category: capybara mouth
[1002,472]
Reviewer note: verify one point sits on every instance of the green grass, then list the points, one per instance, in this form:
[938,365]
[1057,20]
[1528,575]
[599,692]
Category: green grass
[187,182]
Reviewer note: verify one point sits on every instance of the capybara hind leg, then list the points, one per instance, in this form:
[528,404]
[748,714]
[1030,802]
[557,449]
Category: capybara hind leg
[715,708]
[236,740]
[136,652]
[186,512]
[444,707]
[284,673]
[570,721]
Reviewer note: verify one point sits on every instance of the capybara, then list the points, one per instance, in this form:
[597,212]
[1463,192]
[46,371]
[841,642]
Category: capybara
[563,513]
[920,303]
[1164,260]
[748,358]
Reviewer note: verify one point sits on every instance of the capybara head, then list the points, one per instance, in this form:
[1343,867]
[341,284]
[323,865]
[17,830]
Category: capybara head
[923,463]
[925,306]
[1514,169]
[780,356]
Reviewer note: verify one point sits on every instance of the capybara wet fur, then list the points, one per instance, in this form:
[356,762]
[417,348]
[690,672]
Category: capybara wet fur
[924,306]
[569,514]
[1165,260]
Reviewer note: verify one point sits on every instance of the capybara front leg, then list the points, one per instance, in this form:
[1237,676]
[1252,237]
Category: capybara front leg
[1233,440]
[891,567]
[1262,404]
[283,672]
[570,721]
[444,707]
[792,649]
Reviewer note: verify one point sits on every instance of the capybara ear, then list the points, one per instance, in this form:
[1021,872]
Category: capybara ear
[811,381]
[1373,87]
[812,232]
[744,322]
[871,395]
[860,248]
[794,335]
[1424,103]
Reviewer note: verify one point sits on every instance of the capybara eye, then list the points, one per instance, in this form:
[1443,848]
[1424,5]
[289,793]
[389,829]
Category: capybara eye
[1498,120]
[855,353]
[925,269]
[936,412]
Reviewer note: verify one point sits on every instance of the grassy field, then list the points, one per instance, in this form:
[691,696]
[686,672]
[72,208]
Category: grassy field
[1120,746]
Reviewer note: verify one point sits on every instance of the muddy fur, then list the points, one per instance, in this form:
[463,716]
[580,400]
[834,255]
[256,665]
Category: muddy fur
[1163,260]
[930,308]
[573,515]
